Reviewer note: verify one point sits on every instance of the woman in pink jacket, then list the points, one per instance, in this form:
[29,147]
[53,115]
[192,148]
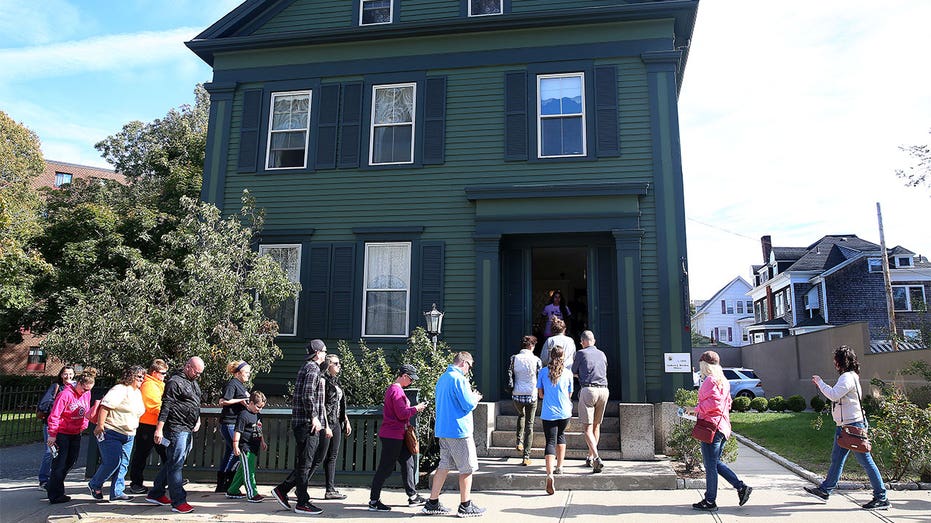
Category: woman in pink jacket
[714,405]
[68,418]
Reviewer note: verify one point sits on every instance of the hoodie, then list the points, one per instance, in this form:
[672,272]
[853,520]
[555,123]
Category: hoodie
[70,412]
[152,389]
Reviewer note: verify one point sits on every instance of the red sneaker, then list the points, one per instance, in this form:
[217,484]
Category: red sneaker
[159,501]
[183,508]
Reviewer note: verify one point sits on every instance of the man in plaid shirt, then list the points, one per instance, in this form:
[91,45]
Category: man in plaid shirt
[308,416]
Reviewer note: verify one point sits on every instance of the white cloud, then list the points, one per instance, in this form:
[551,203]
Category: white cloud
[37,22]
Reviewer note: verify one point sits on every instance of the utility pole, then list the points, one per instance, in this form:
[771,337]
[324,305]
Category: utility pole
[890,304]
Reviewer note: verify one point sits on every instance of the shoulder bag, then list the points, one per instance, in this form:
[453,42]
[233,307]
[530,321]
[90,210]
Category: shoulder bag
[852,437]
[410,440]
[704,430]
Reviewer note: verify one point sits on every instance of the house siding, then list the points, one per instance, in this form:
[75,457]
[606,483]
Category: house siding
[855,294]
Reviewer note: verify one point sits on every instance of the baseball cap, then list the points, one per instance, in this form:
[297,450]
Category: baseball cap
[315,346]
[408,369]
[710,356]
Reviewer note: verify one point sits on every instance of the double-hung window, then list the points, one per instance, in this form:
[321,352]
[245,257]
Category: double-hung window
[392,133]
[62,179]
[874,264]
[485,7]
[561,115]
[373,12]
[386,297]
[288,130]
[908,297]
[288,257]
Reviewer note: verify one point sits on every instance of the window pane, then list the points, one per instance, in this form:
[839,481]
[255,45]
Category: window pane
[376,11]
[392,144]
[561,136]
[394,105]
[289,258]
[388,266]
[561,95]
[731,375]
[917,296]
[385,313]
[485,7]
[900,298]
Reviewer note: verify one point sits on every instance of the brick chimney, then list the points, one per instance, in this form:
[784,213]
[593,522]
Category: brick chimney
[767,243]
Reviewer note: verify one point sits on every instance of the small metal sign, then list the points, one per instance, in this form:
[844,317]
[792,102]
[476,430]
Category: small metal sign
[677,361]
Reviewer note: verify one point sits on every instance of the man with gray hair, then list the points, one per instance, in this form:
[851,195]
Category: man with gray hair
[591,367]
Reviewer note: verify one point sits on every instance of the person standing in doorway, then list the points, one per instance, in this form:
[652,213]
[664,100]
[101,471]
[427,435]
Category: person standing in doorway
[178,420]
[522,375]
[307,422]
[556,308]
[591,367]
[455,401]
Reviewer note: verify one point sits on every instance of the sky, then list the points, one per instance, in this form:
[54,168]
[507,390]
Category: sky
[791,112]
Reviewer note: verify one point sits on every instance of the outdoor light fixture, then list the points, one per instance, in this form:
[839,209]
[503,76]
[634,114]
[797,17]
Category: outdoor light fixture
[434,323]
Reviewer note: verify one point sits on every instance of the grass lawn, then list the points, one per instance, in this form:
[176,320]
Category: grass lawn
[17,428]
[791,435]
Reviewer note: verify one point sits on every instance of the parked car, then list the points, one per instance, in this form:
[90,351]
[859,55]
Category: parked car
[744,382]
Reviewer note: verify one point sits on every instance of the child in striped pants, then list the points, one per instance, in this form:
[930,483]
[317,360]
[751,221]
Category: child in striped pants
[247,440]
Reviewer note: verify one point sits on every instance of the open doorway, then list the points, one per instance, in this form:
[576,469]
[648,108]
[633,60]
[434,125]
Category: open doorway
[564,269]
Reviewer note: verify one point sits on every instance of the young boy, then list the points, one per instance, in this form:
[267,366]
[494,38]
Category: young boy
[247,439]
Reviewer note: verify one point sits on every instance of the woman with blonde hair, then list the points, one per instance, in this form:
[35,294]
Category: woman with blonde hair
[235,397]
[714,405]
[554,387]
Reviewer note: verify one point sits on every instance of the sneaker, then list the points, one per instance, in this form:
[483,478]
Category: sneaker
[256,498]
[163,500]
[416,501]
[435,508]
[60,499]
[42,485]
[744,494]
[469,510]
[281,498]
[122,497]
[550,485]
[597,465]
[705,505]
[137,489]
[818,493]
[588,462]
[334,494]
[377,506]
[309,508]
[96,494]
[184,508]
[235,495]
[877,504]
[557,470]
[519,447]
[526,462]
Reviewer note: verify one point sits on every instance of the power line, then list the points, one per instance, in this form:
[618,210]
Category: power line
[721,229]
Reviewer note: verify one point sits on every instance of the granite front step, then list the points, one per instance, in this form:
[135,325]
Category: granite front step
[508,474]
[506,408]
[503,422]
[573,455]
[574,440]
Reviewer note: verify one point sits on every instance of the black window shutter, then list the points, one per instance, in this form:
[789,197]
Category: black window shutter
[249,130]
[434,140]
[606,112]
[327,126]
[515,116]
[318,287]
[350,125]
[341,291]
[431,275]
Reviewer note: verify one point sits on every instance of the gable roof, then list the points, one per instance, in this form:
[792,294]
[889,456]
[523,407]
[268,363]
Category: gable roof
[830,251]
[709,302]
[77,171]
[898,249]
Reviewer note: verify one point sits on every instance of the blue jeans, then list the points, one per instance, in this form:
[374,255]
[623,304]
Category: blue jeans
[839,456]
[711,457]
[114,459]
[170,473]
[45,468]
[229,461]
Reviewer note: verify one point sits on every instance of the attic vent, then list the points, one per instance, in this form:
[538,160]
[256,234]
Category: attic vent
[843,239]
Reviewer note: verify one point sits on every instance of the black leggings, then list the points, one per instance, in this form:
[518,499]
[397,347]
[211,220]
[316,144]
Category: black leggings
[555,432]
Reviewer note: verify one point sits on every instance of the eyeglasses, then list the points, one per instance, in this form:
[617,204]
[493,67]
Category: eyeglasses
[140,376]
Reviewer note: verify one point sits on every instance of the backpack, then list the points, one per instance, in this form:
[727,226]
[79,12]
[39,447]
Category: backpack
[45,405]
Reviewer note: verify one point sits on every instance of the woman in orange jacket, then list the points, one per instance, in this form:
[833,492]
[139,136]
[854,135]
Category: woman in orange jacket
[151,389]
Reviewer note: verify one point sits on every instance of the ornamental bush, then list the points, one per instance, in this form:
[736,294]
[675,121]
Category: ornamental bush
[685,448]
[777,404]
[741,404]
[817,403]
[903,435]
[796,403]
[759,404]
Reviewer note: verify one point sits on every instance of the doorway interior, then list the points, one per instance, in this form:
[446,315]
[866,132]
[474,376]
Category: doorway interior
[565,269]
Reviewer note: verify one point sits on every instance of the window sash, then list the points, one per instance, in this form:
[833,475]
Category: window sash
[553,126]
[486,6]
[371,10]
[874,265]
[63,178]
[386,293]
[393,124]
[288,132]
[908,297]
[286,312]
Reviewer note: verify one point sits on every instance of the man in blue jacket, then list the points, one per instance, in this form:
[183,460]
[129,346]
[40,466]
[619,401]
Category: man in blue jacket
[455,401]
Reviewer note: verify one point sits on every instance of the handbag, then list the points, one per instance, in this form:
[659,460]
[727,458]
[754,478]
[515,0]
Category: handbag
[410,440]
[852,437]
[704,430]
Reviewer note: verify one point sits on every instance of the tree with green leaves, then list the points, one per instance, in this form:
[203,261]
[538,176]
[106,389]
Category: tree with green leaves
[919,173]
[20,264]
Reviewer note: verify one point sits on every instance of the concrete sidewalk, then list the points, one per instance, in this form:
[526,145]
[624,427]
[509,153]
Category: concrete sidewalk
[777,497]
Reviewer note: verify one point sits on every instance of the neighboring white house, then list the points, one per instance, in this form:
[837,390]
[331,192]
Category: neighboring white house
[726,316]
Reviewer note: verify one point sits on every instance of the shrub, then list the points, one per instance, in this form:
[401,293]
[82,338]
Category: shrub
[920,396]
[817,403]
[903,433]
[759,404]
[685,448]
[741,404]
[777,404]
[796,403]
[872,405]
[686,398]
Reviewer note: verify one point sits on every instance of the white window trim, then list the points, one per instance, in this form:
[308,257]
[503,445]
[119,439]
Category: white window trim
[540,78]
[264,247]
[366,290]
[390,13]
[500,9]
[271,118]
[908,296]
[901,266]
[911,335]
[61,177]
[869,265]
[413,123]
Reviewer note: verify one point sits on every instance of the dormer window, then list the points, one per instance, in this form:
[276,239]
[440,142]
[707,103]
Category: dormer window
[374,12]
[903,261]
[874,264]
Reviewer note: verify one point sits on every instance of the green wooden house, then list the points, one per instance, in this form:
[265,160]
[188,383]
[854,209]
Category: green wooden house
[475,154]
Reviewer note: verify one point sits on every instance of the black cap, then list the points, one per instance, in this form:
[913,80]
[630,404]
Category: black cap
[408,369]
[315,346]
